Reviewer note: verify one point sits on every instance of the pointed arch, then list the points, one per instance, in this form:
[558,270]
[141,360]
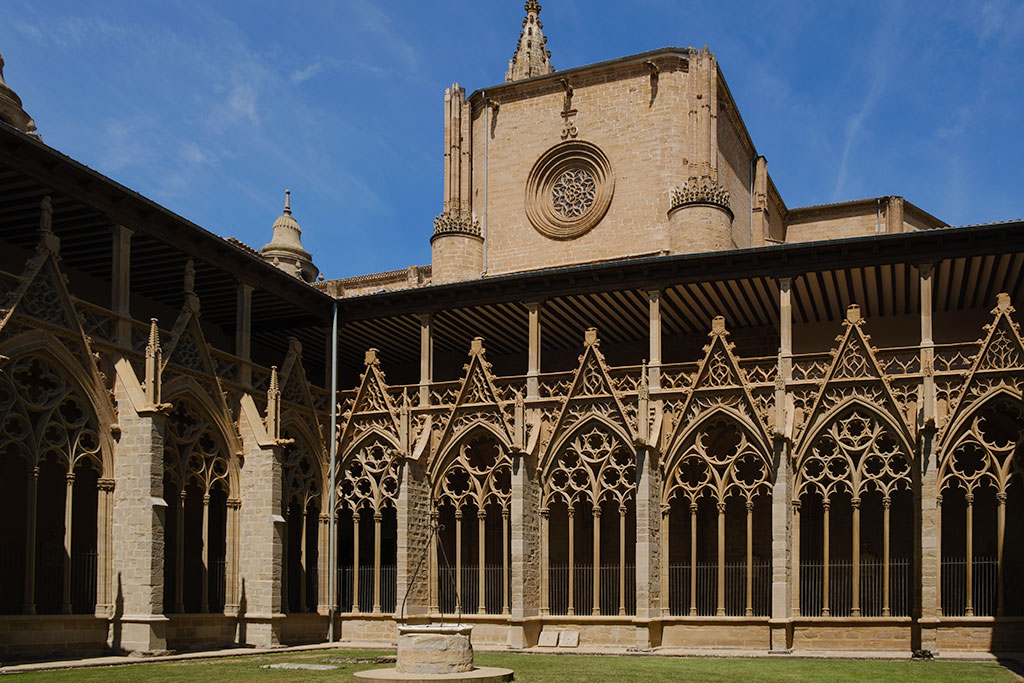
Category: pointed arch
[985,444]
[733,464]
[578,462]
[367,477]
[46,347]
[480,461]
[185,390]
[836,450]
[443,458]
[304,448]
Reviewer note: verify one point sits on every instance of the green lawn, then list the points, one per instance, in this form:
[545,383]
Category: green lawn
[560,668]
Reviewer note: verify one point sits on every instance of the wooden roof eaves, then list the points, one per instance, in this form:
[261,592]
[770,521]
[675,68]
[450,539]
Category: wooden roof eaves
[124,206]
[776,261]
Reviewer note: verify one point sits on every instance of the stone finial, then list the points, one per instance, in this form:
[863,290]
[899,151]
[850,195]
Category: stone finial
[590,337]
[853,314]
[532,57]
[190,277]
[11,111]
[154,361]
[46,216]
[371,357]
[285,248]
[718,325]
[476,347]
[47,240]
[273,405]
[1003,302]
[644,388]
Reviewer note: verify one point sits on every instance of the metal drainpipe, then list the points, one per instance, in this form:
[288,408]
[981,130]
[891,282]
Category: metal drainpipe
[753,164]
[487,135]
[878,216]
[332,559]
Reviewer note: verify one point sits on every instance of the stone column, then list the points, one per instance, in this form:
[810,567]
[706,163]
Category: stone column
[204,587]
[234,541]
[31,491]
[104,510]
[528,565]
[720,609]
[179,557]
[243,332]
[323,565]
[481,548]
[595,607]
[855,608]
[785,532]
[120,282]
[654,336]
[648,549]
[378,517]
[533,352]
[138,522]
[927,508]
[426,356]
[263,527]
[69,497]
[412,509]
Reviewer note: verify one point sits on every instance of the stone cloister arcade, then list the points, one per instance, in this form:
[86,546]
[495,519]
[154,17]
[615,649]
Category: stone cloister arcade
[174,495]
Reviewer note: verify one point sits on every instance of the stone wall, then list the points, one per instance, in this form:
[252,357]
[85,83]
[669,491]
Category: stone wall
[645,138]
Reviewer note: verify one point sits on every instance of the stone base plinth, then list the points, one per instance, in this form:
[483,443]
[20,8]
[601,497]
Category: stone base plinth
[483,674]
[429,649]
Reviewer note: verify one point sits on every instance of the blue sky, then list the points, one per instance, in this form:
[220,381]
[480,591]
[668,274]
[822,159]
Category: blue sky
[213,108]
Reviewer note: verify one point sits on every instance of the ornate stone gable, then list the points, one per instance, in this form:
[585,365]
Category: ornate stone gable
[718,385]
[591,394]
[854,375]
[476,403]
[296,390]
[372,409]
[43,300]
[997,367]
[188,349]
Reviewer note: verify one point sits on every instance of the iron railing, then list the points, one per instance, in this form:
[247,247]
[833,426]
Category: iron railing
[388,578]
[840,588]
[953,583]
[680,589]
[494,587]
[583,590]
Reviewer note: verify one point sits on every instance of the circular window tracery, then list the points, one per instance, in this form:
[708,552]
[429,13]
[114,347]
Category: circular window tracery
[569,190]
[573,193]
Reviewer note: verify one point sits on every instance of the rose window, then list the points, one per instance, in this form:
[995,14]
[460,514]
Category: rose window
[569,189]
[574,193]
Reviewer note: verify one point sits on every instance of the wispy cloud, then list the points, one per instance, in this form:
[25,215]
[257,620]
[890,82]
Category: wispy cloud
[884,52]
[306,73]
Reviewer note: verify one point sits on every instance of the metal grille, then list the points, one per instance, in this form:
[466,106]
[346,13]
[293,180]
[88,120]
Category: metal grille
[840,588]
[583,590]
[388,587]
[470,596]
[679,589]
[954,586]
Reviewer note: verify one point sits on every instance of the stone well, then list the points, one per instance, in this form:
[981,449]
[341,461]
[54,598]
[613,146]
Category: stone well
[440,652]
[434,649]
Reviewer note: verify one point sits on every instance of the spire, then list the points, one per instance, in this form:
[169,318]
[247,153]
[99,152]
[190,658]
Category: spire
[285,248]
[532,57]
[11,111]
